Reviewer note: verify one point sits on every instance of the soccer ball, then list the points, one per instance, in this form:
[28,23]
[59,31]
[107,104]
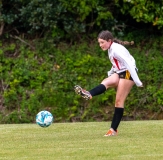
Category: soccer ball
[44,119]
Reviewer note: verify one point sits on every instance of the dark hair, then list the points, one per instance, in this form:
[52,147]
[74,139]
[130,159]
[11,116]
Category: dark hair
[106,35]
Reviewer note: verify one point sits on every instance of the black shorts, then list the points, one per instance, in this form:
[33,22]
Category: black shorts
[125,75]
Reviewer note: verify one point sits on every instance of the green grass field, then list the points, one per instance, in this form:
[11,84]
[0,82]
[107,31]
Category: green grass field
[137,140]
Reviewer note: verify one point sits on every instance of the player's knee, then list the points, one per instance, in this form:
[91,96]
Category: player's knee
[119,102]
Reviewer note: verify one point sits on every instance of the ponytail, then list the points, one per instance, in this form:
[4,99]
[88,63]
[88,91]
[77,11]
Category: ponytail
[123,42]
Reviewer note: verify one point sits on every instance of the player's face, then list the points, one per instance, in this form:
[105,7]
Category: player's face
[104,44]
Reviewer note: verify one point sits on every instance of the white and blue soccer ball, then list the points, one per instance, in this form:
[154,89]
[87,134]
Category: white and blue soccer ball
[44,119]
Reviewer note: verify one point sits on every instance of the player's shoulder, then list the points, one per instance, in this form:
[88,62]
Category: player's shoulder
[118,47]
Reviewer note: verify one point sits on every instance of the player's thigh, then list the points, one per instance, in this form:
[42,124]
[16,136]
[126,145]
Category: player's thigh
[111,81]
[123,89]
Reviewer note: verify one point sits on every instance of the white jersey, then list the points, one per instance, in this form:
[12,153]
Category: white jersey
[122,60]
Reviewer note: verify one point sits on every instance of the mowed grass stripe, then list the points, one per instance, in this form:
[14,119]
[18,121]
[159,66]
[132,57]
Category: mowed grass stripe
[138,140]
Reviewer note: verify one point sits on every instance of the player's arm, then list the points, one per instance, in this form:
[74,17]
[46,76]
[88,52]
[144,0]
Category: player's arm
[111,72]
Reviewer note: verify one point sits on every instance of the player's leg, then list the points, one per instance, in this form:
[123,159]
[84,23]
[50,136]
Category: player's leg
[123,89]
[109,82]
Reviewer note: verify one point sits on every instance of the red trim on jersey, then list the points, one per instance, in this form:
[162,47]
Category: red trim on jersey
[116,62]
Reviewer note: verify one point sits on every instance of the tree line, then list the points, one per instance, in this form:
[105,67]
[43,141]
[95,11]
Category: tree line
[70,19]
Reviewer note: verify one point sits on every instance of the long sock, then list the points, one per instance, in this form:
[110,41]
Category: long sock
[97,90]
[118,114]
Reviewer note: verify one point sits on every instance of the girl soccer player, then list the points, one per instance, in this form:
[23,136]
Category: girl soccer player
[122,76]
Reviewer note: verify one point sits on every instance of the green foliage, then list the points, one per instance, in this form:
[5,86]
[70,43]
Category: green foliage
[58,18]
[143,11]
[33,80]
[44,77]
[85,8]
[74,20]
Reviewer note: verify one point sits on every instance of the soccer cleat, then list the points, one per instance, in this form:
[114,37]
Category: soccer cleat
[85,94]
[111,132]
